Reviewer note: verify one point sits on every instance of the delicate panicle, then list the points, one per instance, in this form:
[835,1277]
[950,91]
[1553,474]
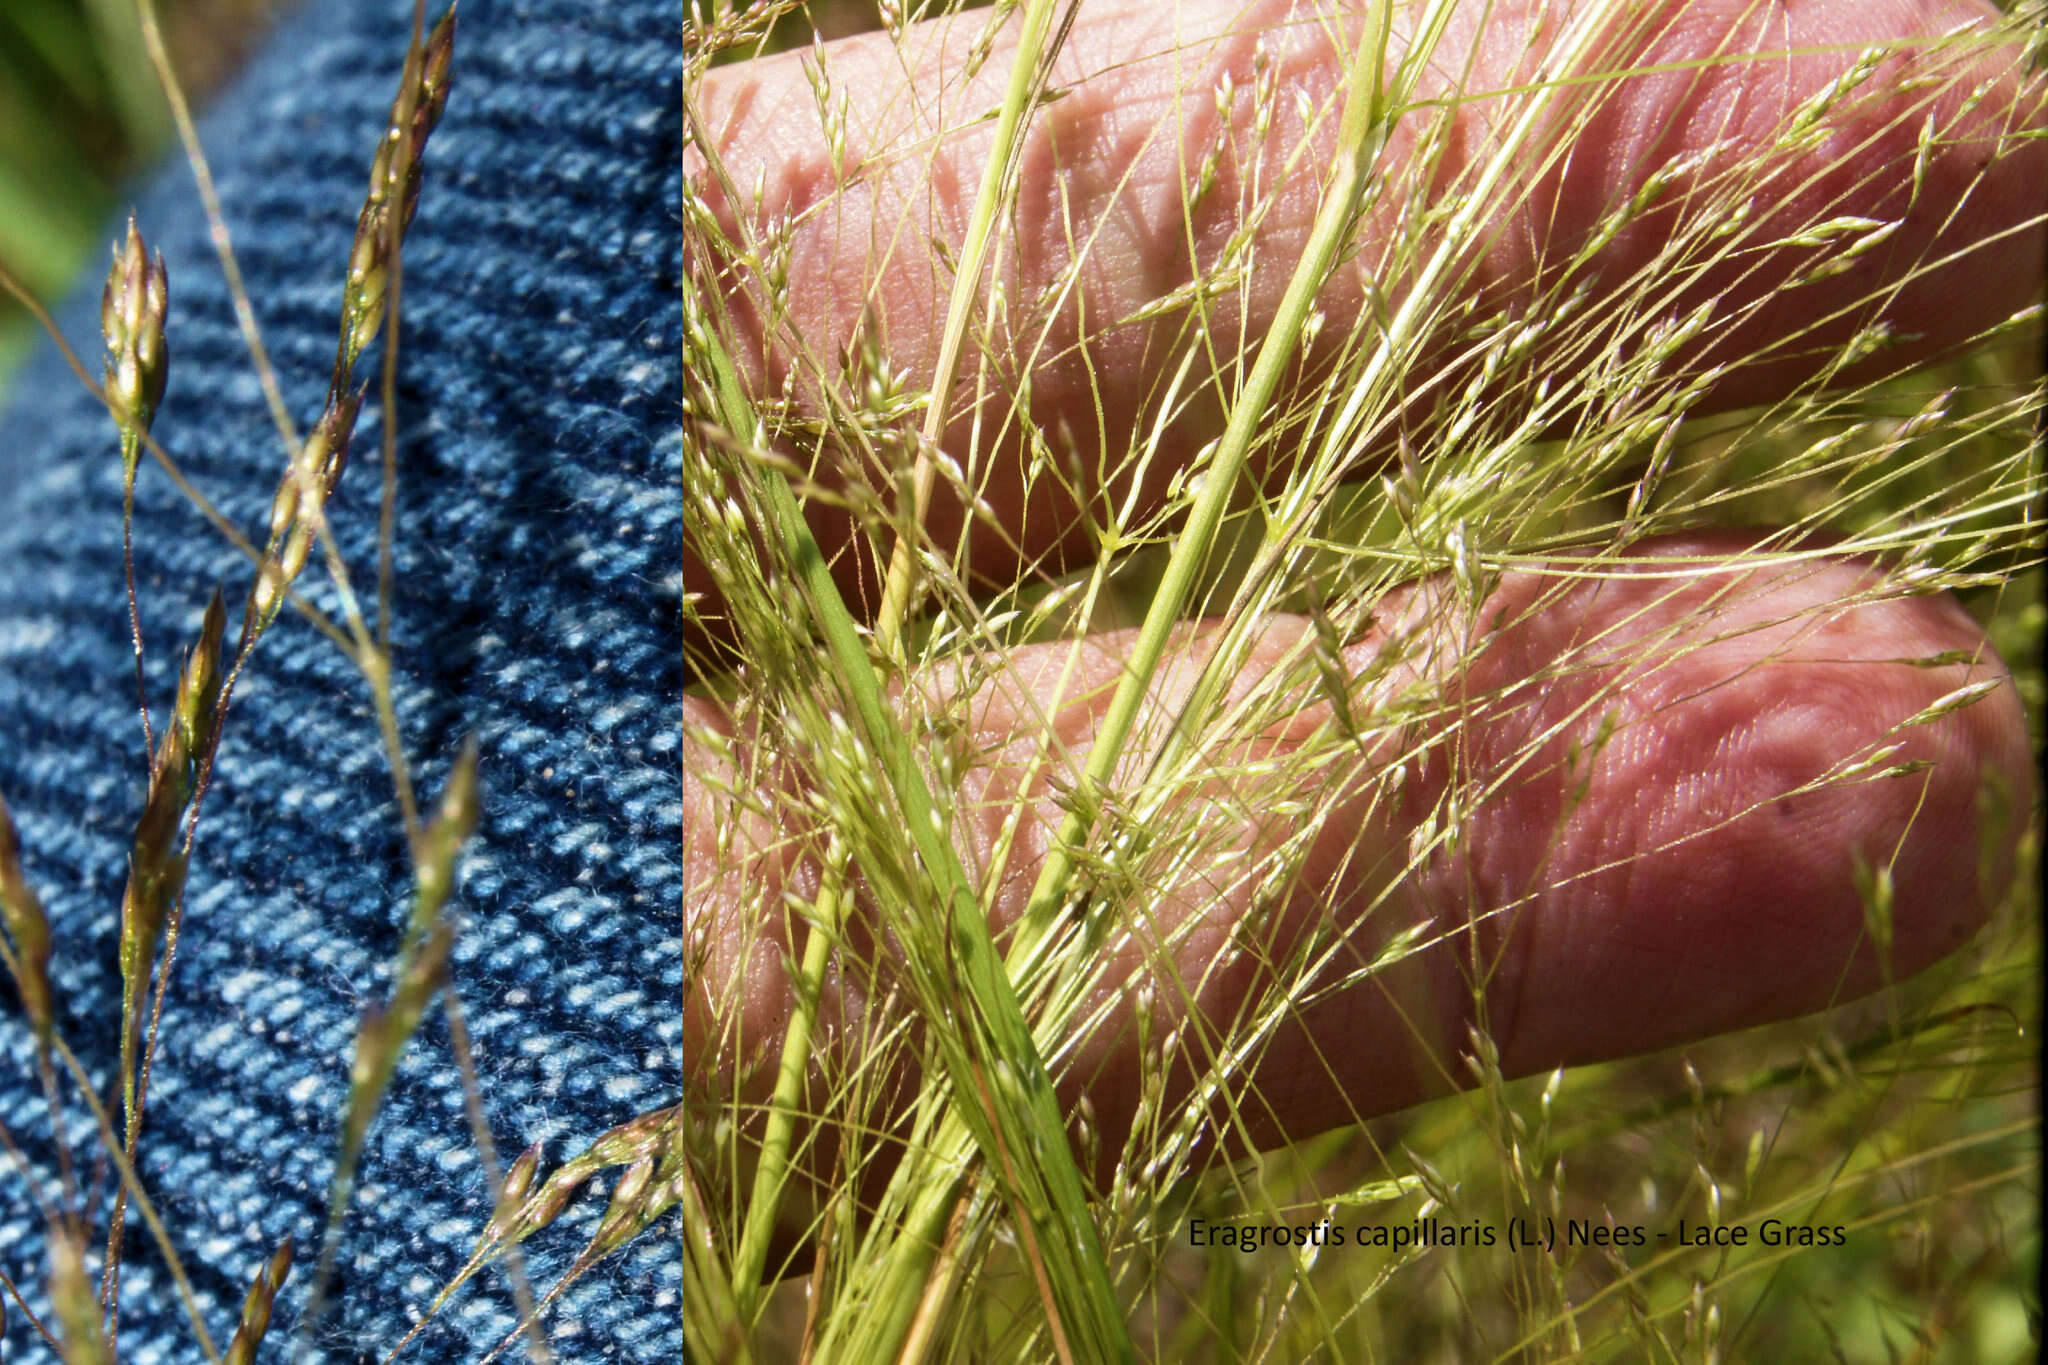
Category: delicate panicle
[296,520]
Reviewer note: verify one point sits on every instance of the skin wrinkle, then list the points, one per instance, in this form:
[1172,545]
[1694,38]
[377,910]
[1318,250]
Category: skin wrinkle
[1806,740]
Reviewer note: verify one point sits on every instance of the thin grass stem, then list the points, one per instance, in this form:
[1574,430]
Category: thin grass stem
[480,1130]
[131,1184]
[1038,45]
[1019,1112]
[216,221]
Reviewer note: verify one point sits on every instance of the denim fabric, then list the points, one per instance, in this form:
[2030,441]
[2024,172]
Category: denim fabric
[536,606]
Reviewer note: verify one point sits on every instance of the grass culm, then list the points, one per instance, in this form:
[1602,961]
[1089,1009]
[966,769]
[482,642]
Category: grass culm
[1136,466]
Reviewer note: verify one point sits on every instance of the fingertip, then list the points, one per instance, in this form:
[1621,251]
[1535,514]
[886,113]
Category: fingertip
[1782,817]
[1808,126]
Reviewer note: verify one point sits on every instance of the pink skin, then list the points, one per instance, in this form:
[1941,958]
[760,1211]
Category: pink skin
[1693,889]
[1109,160]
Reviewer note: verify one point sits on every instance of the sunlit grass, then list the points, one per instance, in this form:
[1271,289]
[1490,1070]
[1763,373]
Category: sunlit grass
[1427,441]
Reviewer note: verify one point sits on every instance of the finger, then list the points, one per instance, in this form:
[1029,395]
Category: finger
[1106,228]
[1618,810]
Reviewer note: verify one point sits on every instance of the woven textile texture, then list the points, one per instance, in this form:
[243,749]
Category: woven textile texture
[536,606]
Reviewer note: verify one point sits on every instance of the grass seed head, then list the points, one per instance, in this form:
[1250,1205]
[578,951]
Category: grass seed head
[21,912]
[395,172]
[132,310]
[256,1307]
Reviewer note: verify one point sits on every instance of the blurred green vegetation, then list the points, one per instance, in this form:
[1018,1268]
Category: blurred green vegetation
[80,114]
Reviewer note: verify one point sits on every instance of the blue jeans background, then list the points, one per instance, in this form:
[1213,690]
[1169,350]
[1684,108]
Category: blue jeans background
[537,600]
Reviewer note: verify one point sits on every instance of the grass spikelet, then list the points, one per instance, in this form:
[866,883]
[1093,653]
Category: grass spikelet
[512,1196]
[629,1211]
[28,929]
[297,514]
[156,858]
[256,1307]
[133,306]
[453,824]
[132,310]
[395,175]
[422,968]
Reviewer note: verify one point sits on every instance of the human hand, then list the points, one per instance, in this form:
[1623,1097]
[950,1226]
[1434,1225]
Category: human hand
[1642,755]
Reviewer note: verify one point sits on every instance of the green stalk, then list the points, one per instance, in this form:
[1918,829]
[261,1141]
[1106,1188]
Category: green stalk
[1004,1096]
[771,1168]
[1026,70]
[1367,120]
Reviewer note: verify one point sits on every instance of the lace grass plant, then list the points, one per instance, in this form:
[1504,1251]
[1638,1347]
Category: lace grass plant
[1430,447]
[84,1316]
